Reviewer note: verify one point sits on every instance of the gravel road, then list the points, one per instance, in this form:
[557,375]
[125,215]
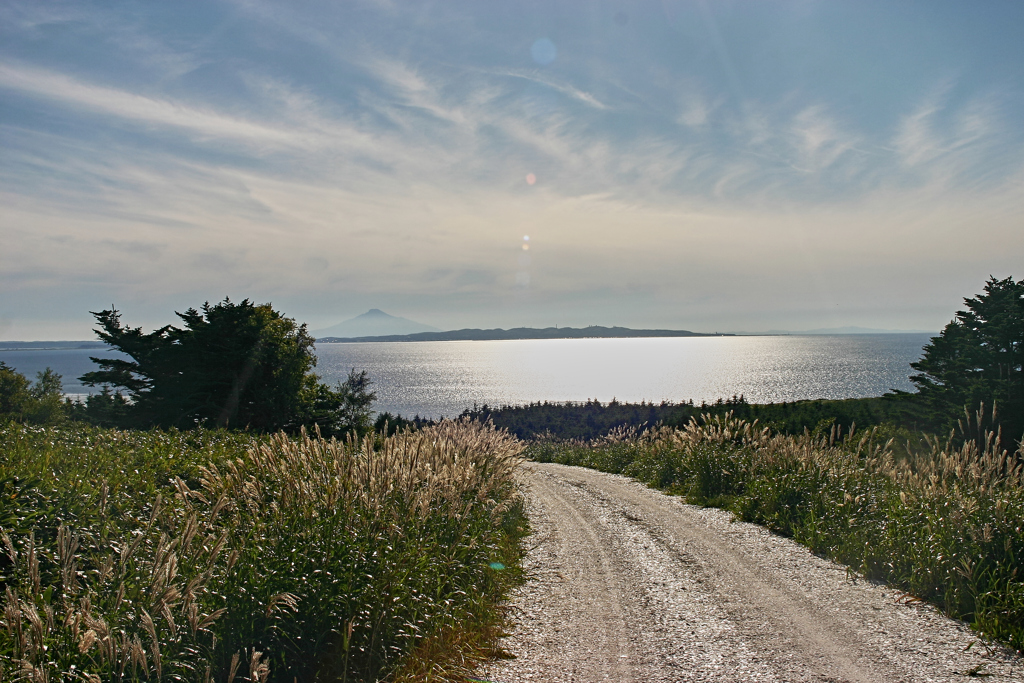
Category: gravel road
[632,585]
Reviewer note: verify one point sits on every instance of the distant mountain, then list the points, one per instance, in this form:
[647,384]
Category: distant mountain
[594,331]
[374,322]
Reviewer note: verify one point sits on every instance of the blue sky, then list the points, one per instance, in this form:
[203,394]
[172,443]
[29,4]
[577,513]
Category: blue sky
[698,165]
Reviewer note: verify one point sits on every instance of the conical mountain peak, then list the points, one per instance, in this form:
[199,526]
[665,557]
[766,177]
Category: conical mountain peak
[373,323]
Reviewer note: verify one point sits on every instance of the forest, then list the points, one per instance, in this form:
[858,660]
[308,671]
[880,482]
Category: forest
[592,419]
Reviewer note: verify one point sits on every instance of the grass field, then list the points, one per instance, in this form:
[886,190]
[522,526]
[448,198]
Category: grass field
[216,555]
[943,523]
[213,555]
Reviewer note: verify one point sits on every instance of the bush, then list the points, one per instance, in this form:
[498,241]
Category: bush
[39,402]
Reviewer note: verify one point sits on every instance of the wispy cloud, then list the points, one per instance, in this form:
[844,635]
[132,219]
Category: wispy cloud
[560,86]
[938,126]
[819,142]
[115,102]
[963,143]
[917,141]
[695,111]
[410,89]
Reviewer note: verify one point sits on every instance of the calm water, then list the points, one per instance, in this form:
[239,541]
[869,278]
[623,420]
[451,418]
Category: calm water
[69,363]
[443,378]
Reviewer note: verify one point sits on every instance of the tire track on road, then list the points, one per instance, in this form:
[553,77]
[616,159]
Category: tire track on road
[589,620]
[632,585]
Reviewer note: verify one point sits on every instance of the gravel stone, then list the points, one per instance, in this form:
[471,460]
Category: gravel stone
[629,584]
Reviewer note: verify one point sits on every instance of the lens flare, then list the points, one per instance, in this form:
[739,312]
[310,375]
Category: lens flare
[543,51]
[530,179]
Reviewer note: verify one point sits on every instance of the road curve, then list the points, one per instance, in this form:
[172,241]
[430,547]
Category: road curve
[632,585]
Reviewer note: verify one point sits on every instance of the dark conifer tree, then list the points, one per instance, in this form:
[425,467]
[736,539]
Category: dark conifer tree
[978,359]
[239,365]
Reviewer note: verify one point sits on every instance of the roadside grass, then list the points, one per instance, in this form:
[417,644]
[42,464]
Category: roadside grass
[219,556]
[944,524]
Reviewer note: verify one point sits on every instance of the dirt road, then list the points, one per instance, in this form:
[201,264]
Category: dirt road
[633,585]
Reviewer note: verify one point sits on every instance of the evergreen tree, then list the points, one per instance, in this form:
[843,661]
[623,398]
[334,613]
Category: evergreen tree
[239,365]
[978,359]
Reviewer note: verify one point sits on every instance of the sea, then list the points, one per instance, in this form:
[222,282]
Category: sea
[442,379]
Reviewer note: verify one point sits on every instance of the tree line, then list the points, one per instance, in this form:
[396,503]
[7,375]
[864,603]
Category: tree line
[592,419]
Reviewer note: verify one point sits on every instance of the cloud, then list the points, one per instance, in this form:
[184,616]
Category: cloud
[146,110]
[939,126]
[559,86]
[412,90]
[917,142]
[819,142]
[695,112]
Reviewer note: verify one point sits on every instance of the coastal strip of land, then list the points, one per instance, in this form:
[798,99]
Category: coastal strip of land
[591,332]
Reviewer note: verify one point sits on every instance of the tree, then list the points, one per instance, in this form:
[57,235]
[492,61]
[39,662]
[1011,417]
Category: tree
[14,392]
[340,411]
[39,402]
[47,405]
[978,359]
[105,409]
[242,365]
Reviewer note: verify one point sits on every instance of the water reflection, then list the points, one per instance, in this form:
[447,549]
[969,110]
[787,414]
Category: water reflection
[443,378]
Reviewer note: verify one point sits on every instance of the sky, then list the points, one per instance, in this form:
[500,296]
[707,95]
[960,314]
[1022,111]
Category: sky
[702,165]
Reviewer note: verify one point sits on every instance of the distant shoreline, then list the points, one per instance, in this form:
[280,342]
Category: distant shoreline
[592,332]
[518,333]
[51,345]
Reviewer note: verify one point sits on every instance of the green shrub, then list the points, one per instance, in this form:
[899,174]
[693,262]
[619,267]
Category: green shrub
[39,402]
